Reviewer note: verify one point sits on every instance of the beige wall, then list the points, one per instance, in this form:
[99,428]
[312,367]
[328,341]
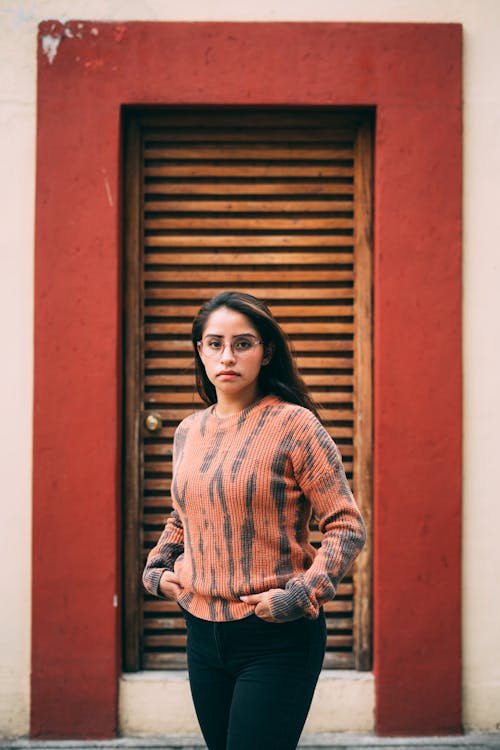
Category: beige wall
[481,555]
[17,161]
[159,703]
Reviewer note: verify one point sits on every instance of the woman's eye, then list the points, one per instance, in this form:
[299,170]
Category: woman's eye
[243,345]
[215,344]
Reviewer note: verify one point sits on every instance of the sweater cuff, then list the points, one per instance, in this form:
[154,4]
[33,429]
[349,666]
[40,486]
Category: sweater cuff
[293,602]
[154,581]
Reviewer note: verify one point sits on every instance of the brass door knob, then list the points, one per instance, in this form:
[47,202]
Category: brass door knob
[153,423]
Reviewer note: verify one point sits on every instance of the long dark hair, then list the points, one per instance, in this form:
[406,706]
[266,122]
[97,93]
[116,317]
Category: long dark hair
[280,376]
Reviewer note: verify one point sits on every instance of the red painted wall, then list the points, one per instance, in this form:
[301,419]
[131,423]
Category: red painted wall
[412,74]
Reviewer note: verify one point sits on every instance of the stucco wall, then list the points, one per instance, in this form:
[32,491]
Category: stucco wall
[481,553]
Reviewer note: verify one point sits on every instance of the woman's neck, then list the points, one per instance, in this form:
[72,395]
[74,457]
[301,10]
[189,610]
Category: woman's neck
[227,406]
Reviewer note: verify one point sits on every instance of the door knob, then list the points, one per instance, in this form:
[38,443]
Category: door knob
[153,423]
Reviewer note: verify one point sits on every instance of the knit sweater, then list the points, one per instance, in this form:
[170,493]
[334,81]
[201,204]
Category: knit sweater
[243,491]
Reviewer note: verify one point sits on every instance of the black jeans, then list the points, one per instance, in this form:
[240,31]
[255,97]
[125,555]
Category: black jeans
[252,681]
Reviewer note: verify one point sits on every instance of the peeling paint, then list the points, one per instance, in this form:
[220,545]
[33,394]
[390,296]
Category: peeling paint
[107,188]
[49,46]
[52,32]
[51,41]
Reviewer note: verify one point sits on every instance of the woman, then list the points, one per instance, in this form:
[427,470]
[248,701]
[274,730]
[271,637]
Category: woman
[248,472]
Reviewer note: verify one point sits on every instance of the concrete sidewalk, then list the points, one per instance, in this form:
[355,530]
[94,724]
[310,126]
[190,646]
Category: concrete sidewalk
[471,741]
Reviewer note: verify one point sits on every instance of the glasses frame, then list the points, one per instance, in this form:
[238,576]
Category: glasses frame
[212,354]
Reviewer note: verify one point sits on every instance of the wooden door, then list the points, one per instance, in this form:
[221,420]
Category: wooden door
[272,202]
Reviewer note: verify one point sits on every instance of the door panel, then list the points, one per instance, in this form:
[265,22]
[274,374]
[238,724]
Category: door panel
[277,204]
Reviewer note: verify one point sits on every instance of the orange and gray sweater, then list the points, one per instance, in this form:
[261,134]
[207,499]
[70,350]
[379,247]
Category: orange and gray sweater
[243,491]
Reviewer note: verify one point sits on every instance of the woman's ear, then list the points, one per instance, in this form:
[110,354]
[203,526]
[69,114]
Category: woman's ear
[268,353]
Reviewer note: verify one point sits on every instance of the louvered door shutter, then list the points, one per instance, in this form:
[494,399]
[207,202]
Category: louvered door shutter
[261,202]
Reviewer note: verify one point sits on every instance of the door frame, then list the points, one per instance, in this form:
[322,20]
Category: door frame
[412,74]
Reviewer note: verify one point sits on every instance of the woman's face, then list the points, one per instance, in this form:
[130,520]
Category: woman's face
[232,354]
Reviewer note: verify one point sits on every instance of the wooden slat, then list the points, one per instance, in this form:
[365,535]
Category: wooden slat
[260,240]
[178,328]
[168,660]
[203,292]
[179,345]
[238,133]
[167,432]
[162,485]
[254,240]
[158,448]
[255,153]
[327,360]
[338,660]
[165,623]
[191,400]
[324,345]
[231,224]
[249,206]
[160,605]
[178,379]
[205,188]
[155,501]
[165,362]
[165,467]
[328,379]
[251,259]
[232,276]
[159,641]
[295,171]
[339,641]
[162,660]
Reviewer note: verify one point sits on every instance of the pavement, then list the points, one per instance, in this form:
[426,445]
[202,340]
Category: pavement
[470,741]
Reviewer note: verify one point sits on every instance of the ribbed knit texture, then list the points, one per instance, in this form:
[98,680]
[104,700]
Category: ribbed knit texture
[243,491]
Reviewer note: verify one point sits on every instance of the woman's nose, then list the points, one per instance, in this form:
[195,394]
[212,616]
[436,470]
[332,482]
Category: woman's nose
[227,354]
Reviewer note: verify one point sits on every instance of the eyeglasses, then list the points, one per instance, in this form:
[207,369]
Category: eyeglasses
[241,346]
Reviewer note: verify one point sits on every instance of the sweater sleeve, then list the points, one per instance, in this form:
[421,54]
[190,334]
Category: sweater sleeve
[170,545]
[163,556]
[321,476]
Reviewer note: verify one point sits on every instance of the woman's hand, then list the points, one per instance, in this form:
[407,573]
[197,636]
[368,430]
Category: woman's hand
[169,585]
[262,604]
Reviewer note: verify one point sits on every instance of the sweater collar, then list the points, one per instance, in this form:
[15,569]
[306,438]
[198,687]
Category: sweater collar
[240,416]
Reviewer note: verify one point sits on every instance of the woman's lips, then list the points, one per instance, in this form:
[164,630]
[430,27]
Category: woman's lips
[228,375]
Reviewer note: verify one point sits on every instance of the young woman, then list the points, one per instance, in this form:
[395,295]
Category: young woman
[235,554]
